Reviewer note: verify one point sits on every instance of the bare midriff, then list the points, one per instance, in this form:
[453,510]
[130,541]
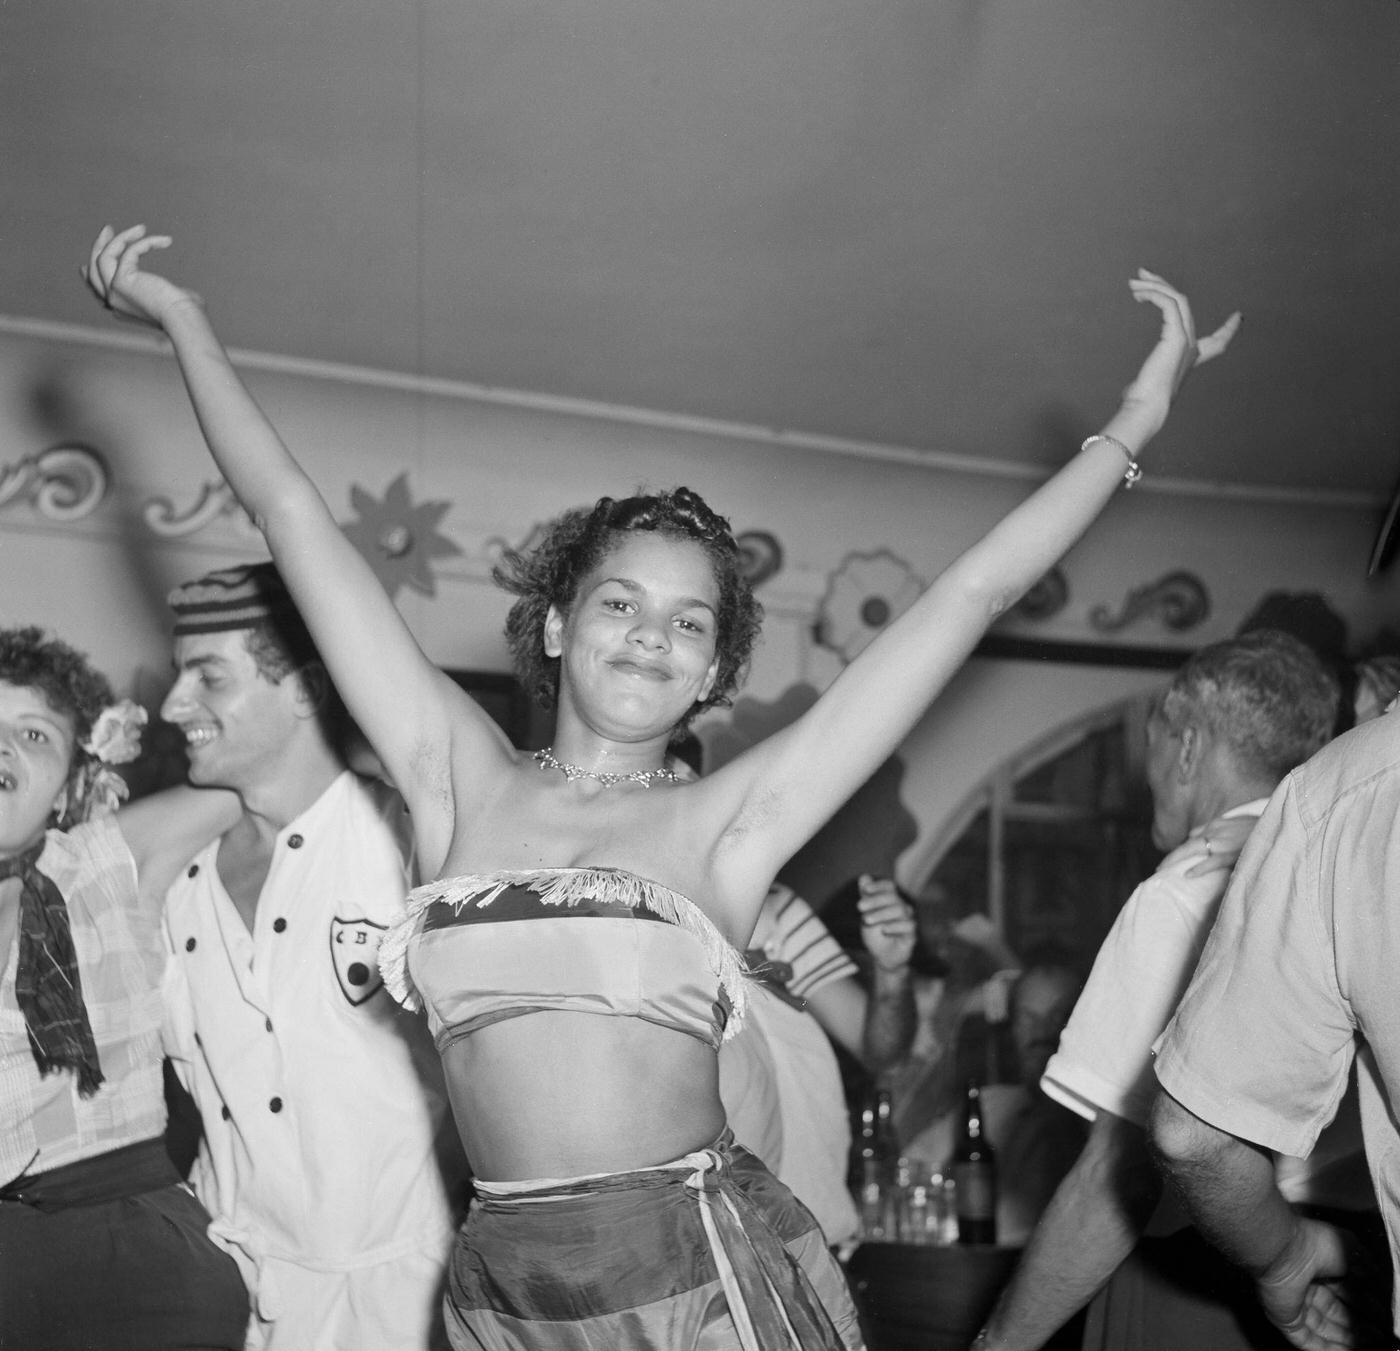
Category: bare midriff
[560,1094]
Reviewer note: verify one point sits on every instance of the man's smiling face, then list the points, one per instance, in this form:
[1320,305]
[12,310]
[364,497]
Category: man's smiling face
[236,722]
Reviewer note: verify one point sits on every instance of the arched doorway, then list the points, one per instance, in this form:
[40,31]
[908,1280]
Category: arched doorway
[1051,843]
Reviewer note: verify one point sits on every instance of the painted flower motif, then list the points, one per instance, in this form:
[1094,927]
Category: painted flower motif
[864,595]
[116,735]
[760,555]
[399,538]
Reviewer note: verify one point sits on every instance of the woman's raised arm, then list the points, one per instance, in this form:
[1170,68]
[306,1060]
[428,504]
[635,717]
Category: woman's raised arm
[798,777]
[165,830]
[410,711]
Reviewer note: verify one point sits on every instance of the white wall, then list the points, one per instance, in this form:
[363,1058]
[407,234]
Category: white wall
[505,464]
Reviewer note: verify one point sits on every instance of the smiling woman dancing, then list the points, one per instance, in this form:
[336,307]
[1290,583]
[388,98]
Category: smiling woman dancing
[578,956]
[100,1243]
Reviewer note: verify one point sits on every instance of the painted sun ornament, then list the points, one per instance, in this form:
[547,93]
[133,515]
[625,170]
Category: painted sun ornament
[864,595]
[398,538]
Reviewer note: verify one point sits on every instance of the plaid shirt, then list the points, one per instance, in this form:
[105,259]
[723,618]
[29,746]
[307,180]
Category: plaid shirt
[121,958]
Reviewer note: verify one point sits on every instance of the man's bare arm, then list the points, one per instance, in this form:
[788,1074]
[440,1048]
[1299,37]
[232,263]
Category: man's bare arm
[1227,1185]
[1092,1223]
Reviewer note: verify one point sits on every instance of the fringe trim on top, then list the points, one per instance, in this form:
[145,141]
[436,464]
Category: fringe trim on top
[565,886]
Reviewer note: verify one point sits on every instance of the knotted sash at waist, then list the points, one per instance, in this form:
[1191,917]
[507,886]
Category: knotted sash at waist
[771,1299]
[130,1170]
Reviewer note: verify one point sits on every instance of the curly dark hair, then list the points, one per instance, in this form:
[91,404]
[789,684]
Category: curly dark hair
[575,543]
[282,644]
[62,674]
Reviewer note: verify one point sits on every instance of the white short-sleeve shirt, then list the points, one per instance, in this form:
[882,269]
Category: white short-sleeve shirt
[1104,1060]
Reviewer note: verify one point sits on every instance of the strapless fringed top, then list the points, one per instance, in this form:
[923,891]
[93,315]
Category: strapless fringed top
[476,949]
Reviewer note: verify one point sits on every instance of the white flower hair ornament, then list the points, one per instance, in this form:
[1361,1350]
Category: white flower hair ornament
[98,790]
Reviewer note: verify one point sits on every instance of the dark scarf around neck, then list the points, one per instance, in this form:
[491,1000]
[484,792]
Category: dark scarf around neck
[47,985]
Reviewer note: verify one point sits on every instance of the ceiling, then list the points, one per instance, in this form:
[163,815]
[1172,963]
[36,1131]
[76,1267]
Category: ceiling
[908,222]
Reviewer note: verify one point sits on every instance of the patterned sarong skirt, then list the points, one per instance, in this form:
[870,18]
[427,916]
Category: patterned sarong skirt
[709,1253]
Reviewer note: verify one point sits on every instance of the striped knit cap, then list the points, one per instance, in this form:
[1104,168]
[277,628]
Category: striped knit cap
[230,598]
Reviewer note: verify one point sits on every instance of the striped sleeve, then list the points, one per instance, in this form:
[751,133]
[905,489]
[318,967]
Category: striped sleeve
[798,936]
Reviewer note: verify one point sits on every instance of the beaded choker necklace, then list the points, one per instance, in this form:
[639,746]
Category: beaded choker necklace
[646,777]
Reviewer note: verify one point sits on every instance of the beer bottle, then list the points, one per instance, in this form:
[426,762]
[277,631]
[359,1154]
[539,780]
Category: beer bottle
[975,1173]
[886,1142]
[863,1146]
[876,1160]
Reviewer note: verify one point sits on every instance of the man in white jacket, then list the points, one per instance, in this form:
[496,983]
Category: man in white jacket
[328,1149]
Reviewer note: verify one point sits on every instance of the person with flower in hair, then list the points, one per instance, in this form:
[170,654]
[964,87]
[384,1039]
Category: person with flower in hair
[101,1245]
[579,953]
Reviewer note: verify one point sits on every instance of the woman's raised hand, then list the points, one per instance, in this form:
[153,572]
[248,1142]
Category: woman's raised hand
[1222,840]
[115,276]
[887,926]
[1178,348]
